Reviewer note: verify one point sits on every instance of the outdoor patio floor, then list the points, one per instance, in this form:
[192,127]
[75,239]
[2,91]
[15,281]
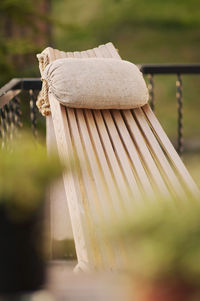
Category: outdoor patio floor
[63,284]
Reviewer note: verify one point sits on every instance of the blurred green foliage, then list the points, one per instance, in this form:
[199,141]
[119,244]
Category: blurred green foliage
[26,171]
[162,242]
[19,36]
[144,32]
[135,26]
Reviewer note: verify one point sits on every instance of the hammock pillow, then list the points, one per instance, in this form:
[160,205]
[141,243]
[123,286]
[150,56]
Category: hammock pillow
[96,83]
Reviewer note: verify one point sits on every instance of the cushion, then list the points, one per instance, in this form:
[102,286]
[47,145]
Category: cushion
[96,83]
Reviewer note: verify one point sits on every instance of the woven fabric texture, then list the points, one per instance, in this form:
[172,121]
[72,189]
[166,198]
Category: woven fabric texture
[96,83]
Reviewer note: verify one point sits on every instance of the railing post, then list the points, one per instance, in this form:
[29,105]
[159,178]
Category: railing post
[33,115]
[17,112]
[151,91]
[179,98]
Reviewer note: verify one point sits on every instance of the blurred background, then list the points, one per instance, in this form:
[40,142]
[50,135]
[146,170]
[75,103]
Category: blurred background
[145,32]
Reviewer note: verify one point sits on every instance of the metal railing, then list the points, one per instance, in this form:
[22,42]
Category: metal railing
[178,70]
[12,96]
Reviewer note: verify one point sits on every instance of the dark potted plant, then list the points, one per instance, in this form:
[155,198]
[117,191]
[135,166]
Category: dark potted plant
[25,173]
[163,249]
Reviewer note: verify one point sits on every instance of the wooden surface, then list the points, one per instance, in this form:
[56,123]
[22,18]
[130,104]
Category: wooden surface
[63,285]
[125,157]
[72,188]
[60,224]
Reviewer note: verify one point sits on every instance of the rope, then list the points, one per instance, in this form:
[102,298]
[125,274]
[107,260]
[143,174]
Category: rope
[43,100]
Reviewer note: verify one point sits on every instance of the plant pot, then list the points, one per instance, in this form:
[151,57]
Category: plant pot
[21,258]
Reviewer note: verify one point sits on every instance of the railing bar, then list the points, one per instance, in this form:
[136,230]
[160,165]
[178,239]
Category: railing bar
[9,86]
[7,121]
[35,83]
[170,69]
[12,118]
[3,127]
[18,112]
[151,91]
[179,98]
[30,84]
[8,97]
[21,83]
[33,113]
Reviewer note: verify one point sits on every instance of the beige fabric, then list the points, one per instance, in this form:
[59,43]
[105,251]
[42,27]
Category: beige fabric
[98,83]
[42,100]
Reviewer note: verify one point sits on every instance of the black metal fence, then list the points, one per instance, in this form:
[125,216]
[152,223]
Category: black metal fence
[178,70]
[23,92]
[14,96]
